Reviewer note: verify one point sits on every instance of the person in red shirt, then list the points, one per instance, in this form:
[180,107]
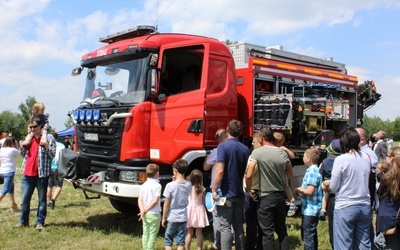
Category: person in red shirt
[36,169]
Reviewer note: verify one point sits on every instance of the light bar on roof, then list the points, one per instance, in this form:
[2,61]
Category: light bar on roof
[139,30]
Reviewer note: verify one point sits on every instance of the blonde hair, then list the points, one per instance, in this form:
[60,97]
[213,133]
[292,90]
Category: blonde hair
[152,169]
[38,108]
[279,139]
[390,184]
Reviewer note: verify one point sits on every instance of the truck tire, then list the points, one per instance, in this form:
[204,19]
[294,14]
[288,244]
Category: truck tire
[125,208]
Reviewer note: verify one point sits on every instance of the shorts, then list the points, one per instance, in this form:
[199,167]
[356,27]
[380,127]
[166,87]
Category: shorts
[178,229]
[54,181]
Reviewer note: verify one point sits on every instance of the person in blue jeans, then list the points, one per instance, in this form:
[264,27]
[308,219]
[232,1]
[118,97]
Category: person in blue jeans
[350,176]
[311,199]
[174,216]
[232,157]
[36,169]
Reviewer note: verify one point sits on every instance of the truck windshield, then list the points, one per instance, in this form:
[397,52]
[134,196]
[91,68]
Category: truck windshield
[121,82]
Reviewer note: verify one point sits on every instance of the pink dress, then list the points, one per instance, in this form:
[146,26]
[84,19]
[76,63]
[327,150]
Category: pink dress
[197,215]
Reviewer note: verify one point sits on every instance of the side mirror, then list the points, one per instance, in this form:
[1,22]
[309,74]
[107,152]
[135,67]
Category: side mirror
[152,80]
[76,71]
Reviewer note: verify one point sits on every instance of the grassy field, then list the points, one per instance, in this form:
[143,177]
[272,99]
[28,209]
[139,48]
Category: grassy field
[76,223]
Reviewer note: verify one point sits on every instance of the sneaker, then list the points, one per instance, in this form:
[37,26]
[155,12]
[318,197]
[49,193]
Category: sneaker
[322,215]
[51,204]
[39,227]
[21,225]
[292,209]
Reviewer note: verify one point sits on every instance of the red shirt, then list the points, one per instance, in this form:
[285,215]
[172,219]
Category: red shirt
[32,161]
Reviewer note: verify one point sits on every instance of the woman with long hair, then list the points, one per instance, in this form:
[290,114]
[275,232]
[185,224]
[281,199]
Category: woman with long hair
[389,201]
[9,153]
[350,176]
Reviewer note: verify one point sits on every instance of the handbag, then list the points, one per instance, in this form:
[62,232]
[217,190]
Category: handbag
[1,180]
[392,230]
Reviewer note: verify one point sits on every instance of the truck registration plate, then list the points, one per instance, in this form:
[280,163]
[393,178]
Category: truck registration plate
[91,137]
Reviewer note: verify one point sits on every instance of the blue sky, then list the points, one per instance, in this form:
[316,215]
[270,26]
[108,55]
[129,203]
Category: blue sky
[43,40]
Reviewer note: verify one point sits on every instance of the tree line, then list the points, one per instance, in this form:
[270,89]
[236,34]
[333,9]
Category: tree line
[17,123]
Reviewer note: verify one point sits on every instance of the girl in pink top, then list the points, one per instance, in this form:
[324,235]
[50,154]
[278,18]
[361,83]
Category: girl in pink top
[197,215]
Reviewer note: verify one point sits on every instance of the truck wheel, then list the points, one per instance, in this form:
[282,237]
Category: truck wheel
[125,208]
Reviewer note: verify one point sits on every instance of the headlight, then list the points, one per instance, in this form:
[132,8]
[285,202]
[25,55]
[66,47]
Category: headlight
[89,116]
[76,115]
[132,176]
[82,115]
[96,114]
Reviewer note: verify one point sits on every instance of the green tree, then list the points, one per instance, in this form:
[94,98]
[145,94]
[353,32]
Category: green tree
[14,123]
[26,108]
[69,121]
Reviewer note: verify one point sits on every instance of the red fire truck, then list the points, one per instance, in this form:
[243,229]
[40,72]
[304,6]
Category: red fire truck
[154,98]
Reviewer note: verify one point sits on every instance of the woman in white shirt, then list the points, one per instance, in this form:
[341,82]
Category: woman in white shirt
[9,153]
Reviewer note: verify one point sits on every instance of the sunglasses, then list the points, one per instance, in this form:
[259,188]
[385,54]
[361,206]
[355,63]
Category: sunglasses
[33,127]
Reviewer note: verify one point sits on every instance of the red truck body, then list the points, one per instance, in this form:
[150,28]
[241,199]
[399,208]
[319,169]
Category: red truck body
[156,98]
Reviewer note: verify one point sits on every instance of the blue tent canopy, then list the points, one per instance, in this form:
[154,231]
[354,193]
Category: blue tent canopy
[66,132]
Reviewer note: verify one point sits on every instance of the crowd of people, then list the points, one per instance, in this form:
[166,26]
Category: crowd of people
[39,150]
[359,177]
[356,180]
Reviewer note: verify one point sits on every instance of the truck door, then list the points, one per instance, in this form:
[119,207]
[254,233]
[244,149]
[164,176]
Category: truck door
[177,118]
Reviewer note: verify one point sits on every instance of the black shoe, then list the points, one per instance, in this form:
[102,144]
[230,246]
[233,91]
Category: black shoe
[51,204]
[322,215]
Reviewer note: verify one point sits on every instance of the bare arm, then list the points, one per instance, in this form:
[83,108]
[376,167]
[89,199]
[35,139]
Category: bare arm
[305,191]
[288,152]
[289,170]
[207,166]
[249,175]
[141,208]
[167,203]
[219,173]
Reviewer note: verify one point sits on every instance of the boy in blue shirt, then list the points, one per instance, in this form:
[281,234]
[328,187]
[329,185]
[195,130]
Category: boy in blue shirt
[311,199]
[176,195]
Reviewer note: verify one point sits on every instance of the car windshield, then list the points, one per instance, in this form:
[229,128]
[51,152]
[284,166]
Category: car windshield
[118,82]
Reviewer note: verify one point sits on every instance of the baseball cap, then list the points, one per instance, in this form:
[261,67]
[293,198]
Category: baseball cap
[334,147]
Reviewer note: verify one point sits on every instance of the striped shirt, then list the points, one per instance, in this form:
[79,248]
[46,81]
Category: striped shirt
[311,204]
[45,157]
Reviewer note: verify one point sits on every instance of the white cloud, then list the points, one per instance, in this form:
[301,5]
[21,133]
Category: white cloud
[39,52]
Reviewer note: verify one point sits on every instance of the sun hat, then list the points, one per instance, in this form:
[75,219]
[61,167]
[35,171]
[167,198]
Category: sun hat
[334,147]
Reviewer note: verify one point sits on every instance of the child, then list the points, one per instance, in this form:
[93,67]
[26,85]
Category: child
[279,140]
[381,169]
[197,215]
[311,199]
[325,169]
[150,207]
[176,195]
[38,110]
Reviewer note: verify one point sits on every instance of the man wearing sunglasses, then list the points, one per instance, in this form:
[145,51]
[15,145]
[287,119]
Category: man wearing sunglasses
[36,169]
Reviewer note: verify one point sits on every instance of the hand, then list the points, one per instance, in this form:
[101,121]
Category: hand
[215,196]
[296,191]
[325,185]
[164,222]
[253,194]
[140,216]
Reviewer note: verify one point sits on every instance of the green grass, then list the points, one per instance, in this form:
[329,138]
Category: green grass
[76,223]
